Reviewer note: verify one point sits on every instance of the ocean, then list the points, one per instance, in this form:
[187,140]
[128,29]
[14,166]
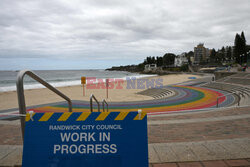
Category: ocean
[59,78]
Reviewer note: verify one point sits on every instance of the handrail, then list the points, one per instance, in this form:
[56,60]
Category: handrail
[20,93]
[206,83]
[104,101]
[217,104]
[178,112]
[91,103]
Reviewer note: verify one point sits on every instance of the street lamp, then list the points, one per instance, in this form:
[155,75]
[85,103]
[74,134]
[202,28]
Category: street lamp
[241,60]
[248,53]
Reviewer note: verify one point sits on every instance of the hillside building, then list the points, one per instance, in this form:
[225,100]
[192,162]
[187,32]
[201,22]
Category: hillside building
[201,54]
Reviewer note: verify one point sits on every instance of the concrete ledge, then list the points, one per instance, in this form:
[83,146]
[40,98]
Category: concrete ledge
[164,152]
[200,151]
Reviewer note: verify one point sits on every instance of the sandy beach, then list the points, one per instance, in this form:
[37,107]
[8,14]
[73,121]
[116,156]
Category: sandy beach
[8,100]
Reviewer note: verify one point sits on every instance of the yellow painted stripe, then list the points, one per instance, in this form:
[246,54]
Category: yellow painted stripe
[208,98]
[27,118]
[64,116]
[121,116]
[83,116]
[46,116]
[143,114]
[102,116]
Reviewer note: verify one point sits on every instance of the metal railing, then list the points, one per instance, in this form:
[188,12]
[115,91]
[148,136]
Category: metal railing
[217,104]
[91,103]
[21,98]
[206,83]
[180,112]
[104,101]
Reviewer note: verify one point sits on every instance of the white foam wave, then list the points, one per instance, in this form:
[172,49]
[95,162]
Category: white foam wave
[63,84]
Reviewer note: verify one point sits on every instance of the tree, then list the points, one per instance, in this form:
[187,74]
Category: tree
[141,66]
[243,45]
[213,55]
[168,59]
[237,48]
[150,60]
[189,55]
[243,37]
[223,54]
[159,61]
[218,57]
[153,60]
[229,53]
[240,48]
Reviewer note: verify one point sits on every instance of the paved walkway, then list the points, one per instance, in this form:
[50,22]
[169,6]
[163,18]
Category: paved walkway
[220,163]
[204,138]
[199,151]
[160,153]
[11,155]
[184,121]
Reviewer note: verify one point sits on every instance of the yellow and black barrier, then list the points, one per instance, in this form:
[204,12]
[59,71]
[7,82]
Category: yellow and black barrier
[98,116]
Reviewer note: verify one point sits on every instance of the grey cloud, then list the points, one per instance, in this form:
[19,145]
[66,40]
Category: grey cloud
[105,29]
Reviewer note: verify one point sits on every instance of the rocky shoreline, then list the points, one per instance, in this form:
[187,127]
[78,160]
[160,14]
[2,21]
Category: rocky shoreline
[138,69]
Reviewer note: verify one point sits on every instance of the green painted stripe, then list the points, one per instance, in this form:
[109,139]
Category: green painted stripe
[199,96]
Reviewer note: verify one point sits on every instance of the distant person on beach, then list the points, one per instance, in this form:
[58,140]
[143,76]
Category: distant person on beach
[244,67]
[229,68]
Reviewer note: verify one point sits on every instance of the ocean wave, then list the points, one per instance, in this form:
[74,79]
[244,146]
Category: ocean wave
[64,83]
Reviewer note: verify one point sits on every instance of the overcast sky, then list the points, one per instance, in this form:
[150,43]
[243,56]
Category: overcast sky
[83,34]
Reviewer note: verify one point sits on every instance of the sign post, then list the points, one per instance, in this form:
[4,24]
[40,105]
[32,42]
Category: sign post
[107,87]
[83,81]
[97,139]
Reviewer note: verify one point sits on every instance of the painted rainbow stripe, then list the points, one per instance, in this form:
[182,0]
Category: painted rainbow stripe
[187,98]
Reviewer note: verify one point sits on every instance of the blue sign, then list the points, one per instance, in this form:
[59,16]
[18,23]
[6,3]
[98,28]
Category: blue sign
[107,139]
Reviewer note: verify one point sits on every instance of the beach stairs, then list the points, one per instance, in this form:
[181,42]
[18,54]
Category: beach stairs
[242,81]
[241,93]
[167,99]
[157,93]
[241,84]
[190,68]
[239,78]
[241,74]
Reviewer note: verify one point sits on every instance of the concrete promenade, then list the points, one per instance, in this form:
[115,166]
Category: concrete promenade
[202,139]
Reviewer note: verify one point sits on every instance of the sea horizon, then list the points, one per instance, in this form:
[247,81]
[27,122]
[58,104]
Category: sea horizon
[60,78]
[54,69]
